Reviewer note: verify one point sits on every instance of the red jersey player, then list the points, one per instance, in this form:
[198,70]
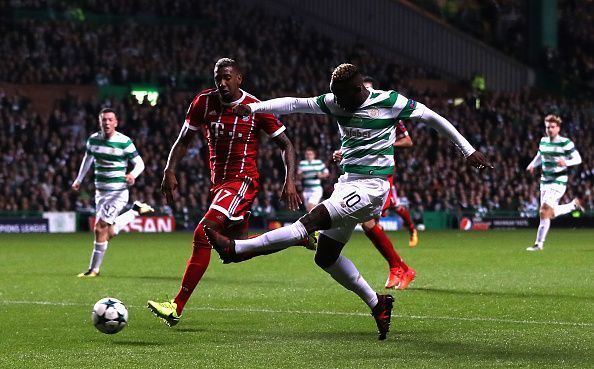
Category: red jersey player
[233,150]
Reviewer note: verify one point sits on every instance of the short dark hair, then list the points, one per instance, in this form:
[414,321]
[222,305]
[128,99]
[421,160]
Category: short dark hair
[108,110]
[310,148]
[344,72]
[227,62]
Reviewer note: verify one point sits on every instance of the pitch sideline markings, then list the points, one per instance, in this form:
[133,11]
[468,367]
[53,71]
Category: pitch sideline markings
[310,312]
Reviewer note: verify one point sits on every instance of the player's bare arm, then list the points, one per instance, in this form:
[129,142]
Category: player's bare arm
[288,154]
[177,153]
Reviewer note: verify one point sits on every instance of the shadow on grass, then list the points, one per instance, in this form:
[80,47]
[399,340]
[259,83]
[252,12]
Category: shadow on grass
[499,352]
[191,330]
[137,343]
[500,294]
[151,277]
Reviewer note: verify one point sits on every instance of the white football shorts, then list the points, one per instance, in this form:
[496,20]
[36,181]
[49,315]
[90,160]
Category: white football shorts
[109,204]
[355,199]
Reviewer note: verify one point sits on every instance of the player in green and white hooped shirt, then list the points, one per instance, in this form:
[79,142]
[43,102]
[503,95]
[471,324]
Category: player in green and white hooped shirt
[312,171]
[367,126]
[555,154]
[111,152]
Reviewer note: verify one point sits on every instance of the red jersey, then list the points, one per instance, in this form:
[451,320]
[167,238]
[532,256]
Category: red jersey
[401,132]
[232,140]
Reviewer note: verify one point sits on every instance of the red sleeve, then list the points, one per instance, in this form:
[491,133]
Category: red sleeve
[270,124]
[401,130]
[195,115]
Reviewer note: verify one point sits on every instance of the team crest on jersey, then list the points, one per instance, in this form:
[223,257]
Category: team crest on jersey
[246,118]
[212,112]
[374,112]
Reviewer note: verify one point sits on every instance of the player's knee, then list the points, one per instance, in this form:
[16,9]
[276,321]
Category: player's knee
[325,258]
[369,225]
[546,211]
[328,251]
[210,220]
[101,228]
[318,218]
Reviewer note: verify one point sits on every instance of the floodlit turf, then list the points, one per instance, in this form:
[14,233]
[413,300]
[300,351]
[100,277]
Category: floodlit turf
[479,300]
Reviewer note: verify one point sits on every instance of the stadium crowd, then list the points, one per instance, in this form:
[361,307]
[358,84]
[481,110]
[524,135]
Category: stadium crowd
[37,169]
[280,58]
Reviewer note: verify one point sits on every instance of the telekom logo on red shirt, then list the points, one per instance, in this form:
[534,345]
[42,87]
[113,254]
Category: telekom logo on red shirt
[217,128]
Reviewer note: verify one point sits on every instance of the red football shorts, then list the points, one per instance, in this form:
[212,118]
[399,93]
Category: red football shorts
[392,200]
[234,198]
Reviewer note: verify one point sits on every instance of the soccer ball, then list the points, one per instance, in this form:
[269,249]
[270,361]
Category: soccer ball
[110,315]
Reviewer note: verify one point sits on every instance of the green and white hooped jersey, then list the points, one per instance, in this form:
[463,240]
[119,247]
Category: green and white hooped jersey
[550,151]
[309,172]
[367,135]
[111,160]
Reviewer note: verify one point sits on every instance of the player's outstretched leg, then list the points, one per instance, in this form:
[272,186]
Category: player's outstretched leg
[230,251]
[223,245]
[122,220]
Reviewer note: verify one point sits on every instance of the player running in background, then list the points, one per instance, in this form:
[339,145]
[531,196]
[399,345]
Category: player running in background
[366,122]
[233,152]
[111,151]
[400,274]
[555,154]
[312,171]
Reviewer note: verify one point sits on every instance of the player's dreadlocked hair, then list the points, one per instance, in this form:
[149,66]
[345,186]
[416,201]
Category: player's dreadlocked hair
[551,118]
[227,62]
[344,72]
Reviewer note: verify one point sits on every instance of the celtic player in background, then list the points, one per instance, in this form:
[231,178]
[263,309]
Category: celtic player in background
[312,171]
[366,122]
[111,152]
[555,154]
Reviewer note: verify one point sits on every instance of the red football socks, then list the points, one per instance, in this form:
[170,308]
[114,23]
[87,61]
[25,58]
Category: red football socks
[405,215]
[383,244]
[197,265]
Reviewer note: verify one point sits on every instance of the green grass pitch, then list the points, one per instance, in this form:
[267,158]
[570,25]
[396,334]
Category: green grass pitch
[479,301]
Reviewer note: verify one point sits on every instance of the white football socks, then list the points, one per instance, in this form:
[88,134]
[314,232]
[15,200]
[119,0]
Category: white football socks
[274,240]
[564,209]
[123,219]
[97,257]
[543,229]
[346,273]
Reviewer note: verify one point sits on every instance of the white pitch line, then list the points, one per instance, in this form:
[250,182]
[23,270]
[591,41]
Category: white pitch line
[313,312]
